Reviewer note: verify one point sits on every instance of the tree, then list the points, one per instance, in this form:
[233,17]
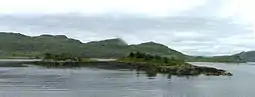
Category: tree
[48,56]
[157,57]
[131,55]
[166,60]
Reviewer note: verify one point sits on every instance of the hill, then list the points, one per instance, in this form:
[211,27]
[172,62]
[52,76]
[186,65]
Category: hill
[155,48]
[13,44]
[226,59]
[247,56]
[19,45]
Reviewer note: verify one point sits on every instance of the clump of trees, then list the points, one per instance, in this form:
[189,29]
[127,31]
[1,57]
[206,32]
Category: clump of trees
[155,59]
[60,57]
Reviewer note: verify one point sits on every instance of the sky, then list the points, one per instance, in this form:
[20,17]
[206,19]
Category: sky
[194,27]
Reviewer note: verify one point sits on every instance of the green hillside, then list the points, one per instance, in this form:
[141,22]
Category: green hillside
[247,56]
[155,48]
[18,45]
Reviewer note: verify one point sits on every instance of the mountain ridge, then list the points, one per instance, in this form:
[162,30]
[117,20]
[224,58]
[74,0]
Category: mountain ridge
[16,44]
[23,45]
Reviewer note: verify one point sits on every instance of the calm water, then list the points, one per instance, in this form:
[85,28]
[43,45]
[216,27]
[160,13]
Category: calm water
[35,81]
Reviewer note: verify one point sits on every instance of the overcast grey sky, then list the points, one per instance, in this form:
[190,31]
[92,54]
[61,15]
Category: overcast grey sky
[195,27]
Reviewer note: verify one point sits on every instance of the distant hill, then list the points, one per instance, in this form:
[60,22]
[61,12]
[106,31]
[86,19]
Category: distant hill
[19,45]
[228,59]
[111,48]
[155,48]
[247,56]
[13,44]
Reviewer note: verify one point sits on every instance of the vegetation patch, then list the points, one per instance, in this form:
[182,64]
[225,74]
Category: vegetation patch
[152,64]
[156,64]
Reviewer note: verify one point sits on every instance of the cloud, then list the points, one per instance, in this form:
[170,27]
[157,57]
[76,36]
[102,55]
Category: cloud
[192,35]
[195,27]
[241,10]
[210,8]
[146,7]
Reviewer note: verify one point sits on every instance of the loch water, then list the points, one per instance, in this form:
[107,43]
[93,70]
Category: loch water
[35,81]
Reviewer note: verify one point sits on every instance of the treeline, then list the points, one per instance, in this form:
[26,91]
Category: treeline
[61,57]
[155,59]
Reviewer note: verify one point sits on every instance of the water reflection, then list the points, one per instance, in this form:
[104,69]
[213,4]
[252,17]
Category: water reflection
[169,76]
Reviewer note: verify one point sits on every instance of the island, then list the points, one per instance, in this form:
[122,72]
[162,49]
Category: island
[151,64]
